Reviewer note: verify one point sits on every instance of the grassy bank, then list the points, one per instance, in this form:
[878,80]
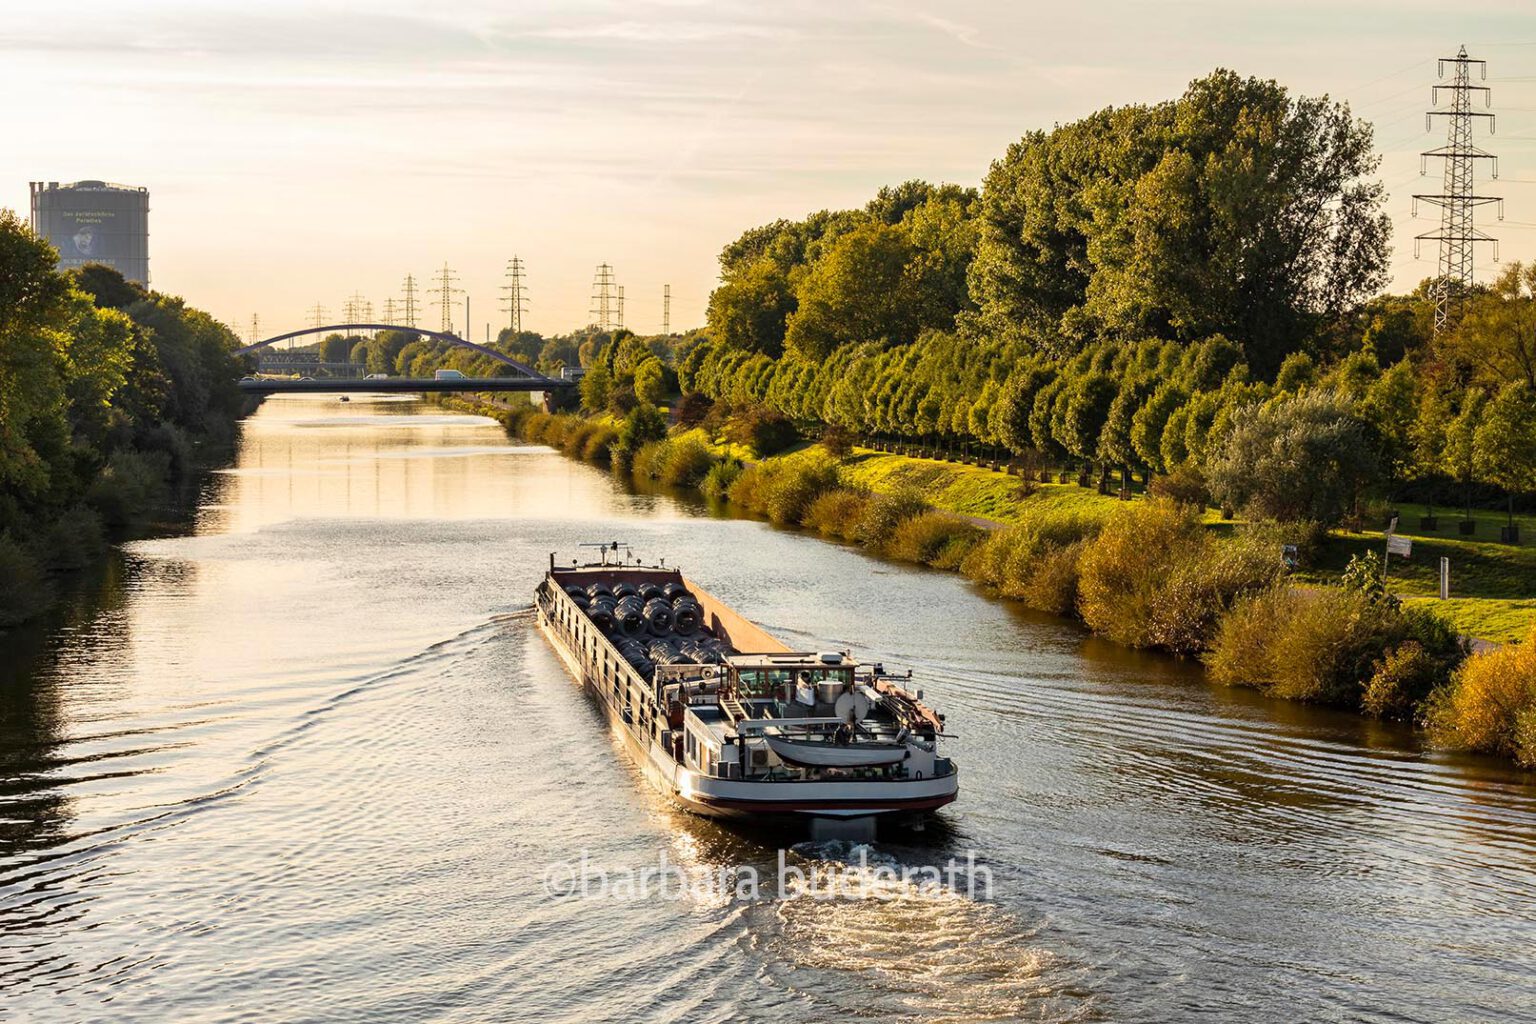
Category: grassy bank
[1149,573]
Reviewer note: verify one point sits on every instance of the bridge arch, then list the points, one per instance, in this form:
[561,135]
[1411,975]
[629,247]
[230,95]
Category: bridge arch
[452,339]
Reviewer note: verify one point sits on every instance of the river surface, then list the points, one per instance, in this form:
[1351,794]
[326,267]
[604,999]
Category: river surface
[314,762]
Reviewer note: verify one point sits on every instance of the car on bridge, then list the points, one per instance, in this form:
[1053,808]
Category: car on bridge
[377,376]
[449,375]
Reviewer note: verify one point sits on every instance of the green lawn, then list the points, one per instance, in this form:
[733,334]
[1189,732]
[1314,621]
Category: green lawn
[1493,586]
[968,490]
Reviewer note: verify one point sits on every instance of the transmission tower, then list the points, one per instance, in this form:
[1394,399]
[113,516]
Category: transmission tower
[516,302]
[408,308]
[619,324]
[1458,235]
[445,291]
[389,311]
[603,298]
[666,310]
[255,328]
[357,309]
[318,314]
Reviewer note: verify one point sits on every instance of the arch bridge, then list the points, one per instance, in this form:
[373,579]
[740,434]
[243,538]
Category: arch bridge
[527,378]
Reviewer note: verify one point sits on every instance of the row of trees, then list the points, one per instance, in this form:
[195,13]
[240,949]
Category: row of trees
[1179,287]
[104,388]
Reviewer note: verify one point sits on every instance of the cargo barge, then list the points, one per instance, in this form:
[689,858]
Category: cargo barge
[729,722]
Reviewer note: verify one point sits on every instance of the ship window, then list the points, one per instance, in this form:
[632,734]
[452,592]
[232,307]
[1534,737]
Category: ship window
[763,682]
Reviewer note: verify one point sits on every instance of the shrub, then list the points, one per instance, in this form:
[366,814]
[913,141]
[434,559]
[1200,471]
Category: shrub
[693,408]
[1335,646]
[1184,486]
[933,538]
[1305,456]
[1155,577]
[1051,585]
[765,431]
[1401,682]
[888,510]
[1306,537]
[73,540]
[129,486]
[1187,607]
[1009,558]
[678,462]
[837,440]
[1490,704]
[837,513]
[783,491]
[1317,646]
[599,443]
[717,482]
[26,591]
[796,487]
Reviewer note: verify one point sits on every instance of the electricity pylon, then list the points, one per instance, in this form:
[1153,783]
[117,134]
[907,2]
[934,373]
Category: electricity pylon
[666,310]
[603,298]
[445,291]
[255,328]
[620,324]
[515,305]
[409,309]
[1458,235]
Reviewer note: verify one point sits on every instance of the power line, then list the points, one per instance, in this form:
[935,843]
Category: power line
[1458,235]
[445,291]
[515,305]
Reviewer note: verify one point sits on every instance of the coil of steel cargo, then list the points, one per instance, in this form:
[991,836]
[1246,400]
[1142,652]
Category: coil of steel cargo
[629,613]
[672,591]
[658,617]
[686,614]
[624,588]
[649,591]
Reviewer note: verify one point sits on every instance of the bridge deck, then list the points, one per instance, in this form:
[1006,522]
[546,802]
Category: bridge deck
[391,385]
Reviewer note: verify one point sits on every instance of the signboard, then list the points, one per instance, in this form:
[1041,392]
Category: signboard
[92,222]
[1399,546]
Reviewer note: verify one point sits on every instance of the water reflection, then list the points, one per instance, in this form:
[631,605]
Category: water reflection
[312,761]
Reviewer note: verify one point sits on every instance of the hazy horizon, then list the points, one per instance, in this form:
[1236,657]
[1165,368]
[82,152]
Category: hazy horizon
[313,150]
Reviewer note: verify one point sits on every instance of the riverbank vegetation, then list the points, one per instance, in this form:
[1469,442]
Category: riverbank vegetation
[108,392]
[1151,346]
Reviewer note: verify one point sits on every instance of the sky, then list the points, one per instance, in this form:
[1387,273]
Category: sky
[298,153]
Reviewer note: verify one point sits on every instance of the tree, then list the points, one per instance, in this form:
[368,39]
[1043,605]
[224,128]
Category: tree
[1391,407]
[1236,209]
[1298,458]
[749,309]
[857,291]
[1504,445]
[1151,421]
[335,349]
[1461,462]
[650,381]
[1496,341]
[596,387]
[1087,411]
[1017,401]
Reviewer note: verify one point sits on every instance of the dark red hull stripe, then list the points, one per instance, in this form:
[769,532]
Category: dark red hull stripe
[788,807]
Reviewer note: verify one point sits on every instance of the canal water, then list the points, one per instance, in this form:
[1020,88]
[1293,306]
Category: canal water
[313,762]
